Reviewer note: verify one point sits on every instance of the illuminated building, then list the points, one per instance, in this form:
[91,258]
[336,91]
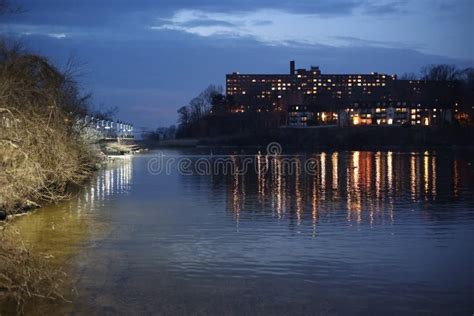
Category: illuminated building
[310,97]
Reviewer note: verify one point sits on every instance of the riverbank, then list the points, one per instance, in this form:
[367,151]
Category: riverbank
[29,276]
[340,138]
[103,152]
[46,150]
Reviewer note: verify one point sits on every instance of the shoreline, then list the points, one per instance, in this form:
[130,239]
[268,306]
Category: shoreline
[110,151]
[335,138]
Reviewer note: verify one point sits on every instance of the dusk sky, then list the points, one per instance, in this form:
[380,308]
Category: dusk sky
[148,58]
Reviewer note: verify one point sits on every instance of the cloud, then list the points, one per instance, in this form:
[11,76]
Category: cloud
[57,35]
[39,33]
[373,24]
[273,27]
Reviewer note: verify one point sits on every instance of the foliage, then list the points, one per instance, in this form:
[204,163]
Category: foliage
[198,108]
[41,148]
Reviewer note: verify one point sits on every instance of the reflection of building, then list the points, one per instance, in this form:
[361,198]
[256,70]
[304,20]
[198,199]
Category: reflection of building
[364,185]
[313,98]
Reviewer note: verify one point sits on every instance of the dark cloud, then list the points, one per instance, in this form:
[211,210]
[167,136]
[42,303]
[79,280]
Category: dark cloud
[360,42]
[262,22]
[385,8]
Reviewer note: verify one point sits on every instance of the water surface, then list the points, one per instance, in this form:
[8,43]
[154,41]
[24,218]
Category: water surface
[368,232]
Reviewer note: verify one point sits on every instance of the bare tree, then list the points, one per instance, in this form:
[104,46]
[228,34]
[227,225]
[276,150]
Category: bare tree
[409,76]
[440,73]
[183,116]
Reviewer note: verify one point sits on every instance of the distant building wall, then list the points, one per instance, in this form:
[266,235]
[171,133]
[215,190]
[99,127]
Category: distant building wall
[364,98]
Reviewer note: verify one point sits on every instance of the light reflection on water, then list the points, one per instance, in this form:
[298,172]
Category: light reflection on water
[113,180]
[370,232]
[368,183]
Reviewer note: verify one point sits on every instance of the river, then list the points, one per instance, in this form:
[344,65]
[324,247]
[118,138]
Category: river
[350,232]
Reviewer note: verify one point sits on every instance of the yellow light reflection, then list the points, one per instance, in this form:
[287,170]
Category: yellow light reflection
[335,172]
[433,176]
[322,163]
[413,176]
[426,175]
[390,172]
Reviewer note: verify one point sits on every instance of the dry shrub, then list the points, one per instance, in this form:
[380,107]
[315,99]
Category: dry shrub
[41,149]
[25,276]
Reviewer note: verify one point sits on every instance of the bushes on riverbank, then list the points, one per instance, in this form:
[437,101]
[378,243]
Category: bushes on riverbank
[41,146]
[43,149]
